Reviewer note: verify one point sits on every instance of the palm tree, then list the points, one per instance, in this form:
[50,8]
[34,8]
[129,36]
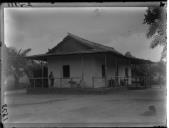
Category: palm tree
[16,62]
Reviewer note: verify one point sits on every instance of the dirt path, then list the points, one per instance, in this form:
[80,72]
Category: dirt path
[121,107]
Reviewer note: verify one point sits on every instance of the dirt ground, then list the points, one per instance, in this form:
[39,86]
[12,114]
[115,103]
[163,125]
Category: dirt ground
[122,107]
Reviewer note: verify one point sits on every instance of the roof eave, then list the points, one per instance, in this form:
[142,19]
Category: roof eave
[43,57]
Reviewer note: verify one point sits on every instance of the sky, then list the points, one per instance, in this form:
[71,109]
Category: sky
[42,28]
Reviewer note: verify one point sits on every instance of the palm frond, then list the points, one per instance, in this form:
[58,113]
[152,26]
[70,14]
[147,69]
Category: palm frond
[25,52]
[19,51]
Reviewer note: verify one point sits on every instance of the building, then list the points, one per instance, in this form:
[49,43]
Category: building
[77,62]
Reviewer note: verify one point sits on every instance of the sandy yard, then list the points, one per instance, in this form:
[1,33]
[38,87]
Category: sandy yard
[122,107]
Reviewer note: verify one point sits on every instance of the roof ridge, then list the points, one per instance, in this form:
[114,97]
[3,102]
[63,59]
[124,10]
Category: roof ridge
[72,35]
[94,43]
[83,38]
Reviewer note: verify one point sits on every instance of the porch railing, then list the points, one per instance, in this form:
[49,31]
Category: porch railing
[121,81]
[97,82]
[137,81]
[118,81]
[55,83]
[114,81]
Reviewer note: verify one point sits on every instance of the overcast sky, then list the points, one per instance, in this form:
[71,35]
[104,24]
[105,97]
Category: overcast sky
[43,28]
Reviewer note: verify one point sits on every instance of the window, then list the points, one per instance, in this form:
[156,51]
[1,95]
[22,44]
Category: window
[103,70]
[66,71]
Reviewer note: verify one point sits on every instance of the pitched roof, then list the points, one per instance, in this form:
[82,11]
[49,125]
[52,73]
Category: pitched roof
[93,47]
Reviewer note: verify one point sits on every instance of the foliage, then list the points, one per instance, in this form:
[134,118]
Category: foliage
[155,17]
[15,60]
[140,70]
[157,70]
[128,54]
[16,64]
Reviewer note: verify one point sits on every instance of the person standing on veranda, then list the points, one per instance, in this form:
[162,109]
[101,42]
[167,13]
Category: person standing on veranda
[51,78]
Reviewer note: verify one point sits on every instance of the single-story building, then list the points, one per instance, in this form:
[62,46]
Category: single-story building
[77,62]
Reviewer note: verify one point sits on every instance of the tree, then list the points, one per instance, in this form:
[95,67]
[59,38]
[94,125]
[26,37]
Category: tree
[160,70]
[128,54]
[16,62]
[155,17]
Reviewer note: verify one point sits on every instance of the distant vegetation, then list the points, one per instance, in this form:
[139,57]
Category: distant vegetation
[156,71]
[17,66]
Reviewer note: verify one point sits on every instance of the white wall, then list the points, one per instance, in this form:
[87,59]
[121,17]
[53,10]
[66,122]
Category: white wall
[88,65]
[111,68]
[99,81]
[78,64]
